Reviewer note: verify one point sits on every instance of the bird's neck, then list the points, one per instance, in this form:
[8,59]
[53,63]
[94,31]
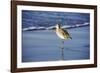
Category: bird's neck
[58,28]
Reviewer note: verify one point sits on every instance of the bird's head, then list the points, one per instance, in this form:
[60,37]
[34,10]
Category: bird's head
[57,26]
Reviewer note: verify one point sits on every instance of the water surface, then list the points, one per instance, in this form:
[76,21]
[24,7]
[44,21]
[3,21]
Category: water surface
[44,45]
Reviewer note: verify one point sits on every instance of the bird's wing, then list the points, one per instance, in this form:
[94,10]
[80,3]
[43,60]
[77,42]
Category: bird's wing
[66,32]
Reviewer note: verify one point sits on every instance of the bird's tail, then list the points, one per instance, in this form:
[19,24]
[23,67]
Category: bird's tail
[70,37]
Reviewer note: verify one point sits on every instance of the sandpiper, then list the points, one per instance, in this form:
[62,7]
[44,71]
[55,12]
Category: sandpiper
[63,34]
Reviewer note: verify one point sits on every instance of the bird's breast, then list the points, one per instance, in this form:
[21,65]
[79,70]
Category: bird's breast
[59,34]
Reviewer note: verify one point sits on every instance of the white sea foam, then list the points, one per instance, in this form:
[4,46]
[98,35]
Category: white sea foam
[52,27]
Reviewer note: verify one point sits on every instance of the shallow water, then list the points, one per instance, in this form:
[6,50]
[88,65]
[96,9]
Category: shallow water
[44,45]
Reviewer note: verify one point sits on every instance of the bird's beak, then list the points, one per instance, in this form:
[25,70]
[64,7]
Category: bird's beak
[54,29]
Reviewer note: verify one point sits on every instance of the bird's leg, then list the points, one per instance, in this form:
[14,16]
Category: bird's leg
[62,52]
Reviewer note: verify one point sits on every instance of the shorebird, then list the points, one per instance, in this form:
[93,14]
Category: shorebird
[63,35]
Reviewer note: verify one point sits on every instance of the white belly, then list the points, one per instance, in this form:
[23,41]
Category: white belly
[59,35]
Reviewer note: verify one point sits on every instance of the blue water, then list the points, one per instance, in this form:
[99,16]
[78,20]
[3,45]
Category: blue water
[44,45]
[50,18]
